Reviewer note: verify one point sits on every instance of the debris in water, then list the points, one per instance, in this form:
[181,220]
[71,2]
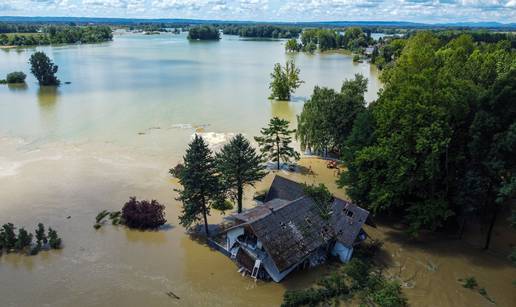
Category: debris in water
[173,295]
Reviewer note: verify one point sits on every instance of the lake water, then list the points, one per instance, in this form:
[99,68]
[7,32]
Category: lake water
[122,91]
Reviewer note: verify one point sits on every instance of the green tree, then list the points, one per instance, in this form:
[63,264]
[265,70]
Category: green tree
[24,239]
[41,238]
[8,236]
[285,80]
[203,32]
[440,145]
[238,165]
[43,69]
[16,77]
[490,179]
[328,116]
[275,141]
[292,46]
[53,239]
[201,184]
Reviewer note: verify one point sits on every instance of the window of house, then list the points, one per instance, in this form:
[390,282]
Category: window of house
[348,212]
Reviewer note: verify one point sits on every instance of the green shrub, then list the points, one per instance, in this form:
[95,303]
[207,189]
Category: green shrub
[41,238]
[389,295]
[8,236]
[53,239]
[16,77]
[24,239]
[102,214]
[470,283]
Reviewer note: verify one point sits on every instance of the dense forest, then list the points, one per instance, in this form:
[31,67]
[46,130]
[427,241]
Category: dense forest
[203,33]
[59,35]
[438,145]
[262,31]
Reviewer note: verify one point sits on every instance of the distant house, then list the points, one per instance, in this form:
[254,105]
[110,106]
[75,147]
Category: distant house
[369,51]
[288,232]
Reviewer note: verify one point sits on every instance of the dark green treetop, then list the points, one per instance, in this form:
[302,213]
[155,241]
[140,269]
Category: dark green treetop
[275,141]
[238,165]
[43,69]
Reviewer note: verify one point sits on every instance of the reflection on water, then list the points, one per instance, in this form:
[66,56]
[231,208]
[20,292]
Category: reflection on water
[146,237]
[17,87]
[283,109]
[47,96]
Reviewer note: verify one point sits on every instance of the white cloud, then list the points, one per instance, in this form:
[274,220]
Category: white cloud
[282,10]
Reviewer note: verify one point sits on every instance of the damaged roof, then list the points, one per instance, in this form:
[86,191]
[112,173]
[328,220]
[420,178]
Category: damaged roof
[284,188]
[290,224]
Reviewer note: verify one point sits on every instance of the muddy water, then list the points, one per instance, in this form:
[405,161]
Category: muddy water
[67,153]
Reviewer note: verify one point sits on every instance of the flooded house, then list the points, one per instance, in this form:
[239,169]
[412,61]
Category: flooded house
[288,232]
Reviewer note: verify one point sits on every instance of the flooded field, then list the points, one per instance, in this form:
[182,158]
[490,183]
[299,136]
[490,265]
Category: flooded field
[68,153]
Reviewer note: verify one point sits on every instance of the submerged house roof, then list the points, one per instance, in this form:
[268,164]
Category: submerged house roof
[290,224]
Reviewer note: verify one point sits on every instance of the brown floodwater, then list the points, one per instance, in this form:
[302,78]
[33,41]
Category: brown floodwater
[117,266]
[67,153]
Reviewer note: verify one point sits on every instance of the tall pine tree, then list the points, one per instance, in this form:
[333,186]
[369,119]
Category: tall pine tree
[238,165]
[201,186]
[275,141]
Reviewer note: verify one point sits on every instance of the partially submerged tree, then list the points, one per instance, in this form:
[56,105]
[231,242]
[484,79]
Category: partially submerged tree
[201,185]
[53,239]
[285,80]
[275,141]
[43,69]
[238,165]
[292,45]
[142,214]
[328,116]
[15,77]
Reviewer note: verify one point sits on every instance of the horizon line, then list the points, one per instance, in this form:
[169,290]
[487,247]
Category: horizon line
[268,21]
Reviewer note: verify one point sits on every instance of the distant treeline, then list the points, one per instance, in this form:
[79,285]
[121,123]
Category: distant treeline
[155,27]
[479,36]
[264,31]
[59,35]
[18,28]
[203,33]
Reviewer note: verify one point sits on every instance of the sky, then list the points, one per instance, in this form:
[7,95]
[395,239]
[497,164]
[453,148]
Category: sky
[428,11]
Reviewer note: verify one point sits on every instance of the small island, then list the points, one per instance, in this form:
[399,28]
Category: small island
[203,33]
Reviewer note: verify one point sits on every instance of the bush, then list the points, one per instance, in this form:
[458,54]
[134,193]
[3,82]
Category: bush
[53,240]
[389,295]
[41,238]
[24,239]
[470,283]
[7,236]
[16,77]
[143,214]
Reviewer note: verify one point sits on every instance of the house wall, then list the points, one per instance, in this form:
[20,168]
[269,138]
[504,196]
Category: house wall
[343,252]
[232,236]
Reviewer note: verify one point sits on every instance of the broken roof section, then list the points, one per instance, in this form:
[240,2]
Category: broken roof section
[290,225]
